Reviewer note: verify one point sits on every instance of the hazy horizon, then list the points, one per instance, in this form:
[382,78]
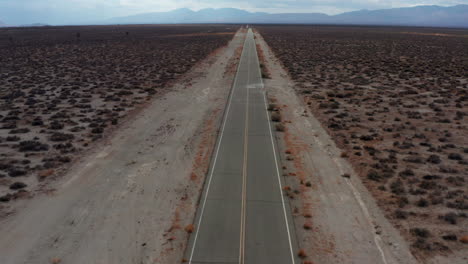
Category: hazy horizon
[83,11]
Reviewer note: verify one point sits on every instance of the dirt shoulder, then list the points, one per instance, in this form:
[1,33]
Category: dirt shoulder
[129,201]
[336,219]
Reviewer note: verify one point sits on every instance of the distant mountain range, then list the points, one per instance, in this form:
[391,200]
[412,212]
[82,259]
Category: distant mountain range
[25,25]
[454,16]
[35,25]
[438,16]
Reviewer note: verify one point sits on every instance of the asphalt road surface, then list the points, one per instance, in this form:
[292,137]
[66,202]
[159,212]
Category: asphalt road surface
[243,216]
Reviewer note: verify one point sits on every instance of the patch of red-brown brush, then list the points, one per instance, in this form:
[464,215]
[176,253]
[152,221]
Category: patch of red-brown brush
[205,147]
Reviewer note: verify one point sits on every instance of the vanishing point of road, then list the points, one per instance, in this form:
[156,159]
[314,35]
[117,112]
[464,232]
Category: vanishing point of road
[243,216]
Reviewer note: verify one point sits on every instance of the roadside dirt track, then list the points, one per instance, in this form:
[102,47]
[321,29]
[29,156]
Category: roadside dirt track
[129,202]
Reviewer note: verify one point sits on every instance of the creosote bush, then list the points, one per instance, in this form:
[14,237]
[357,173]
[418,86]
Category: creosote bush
[189,228]
[280,127]
[275,117]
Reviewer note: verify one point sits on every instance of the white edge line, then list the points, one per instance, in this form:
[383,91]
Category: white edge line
[217,151]
[276,161]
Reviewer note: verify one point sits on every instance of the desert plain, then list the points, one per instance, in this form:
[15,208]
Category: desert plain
[371,123]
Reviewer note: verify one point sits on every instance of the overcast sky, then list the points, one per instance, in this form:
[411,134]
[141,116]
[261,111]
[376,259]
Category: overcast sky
[81,11]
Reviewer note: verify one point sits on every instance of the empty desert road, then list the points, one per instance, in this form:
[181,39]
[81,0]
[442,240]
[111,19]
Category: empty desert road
[243,216]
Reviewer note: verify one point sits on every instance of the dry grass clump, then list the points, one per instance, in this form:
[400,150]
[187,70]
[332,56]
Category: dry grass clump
[280,127]
[56,261]
[276,117]
[464,239]
[189,228]
[42,175]
[301,253]
[272,107]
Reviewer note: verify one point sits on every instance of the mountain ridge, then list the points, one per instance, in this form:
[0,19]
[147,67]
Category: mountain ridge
[426,15]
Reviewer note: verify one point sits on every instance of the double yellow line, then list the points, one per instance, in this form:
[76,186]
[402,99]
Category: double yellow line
[244,172]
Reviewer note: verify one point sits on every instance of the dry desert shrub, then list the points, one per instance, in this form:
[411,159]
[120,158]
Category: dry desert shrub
[301,253]
[280,127]
[397,117]
[276,117]
[189,228]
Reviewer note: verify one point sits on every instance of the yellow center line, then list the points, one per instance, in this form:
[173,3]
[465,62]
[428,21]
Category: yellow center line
[244,171]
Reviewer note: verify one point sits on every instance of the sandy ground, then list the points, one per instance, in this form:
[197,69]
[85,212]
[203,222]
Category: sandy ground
[337,220]
[129,201]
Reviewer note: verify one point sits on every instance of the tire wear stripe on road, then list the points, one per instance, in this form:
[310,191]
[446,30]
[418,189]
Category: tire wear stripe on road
[244,217]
